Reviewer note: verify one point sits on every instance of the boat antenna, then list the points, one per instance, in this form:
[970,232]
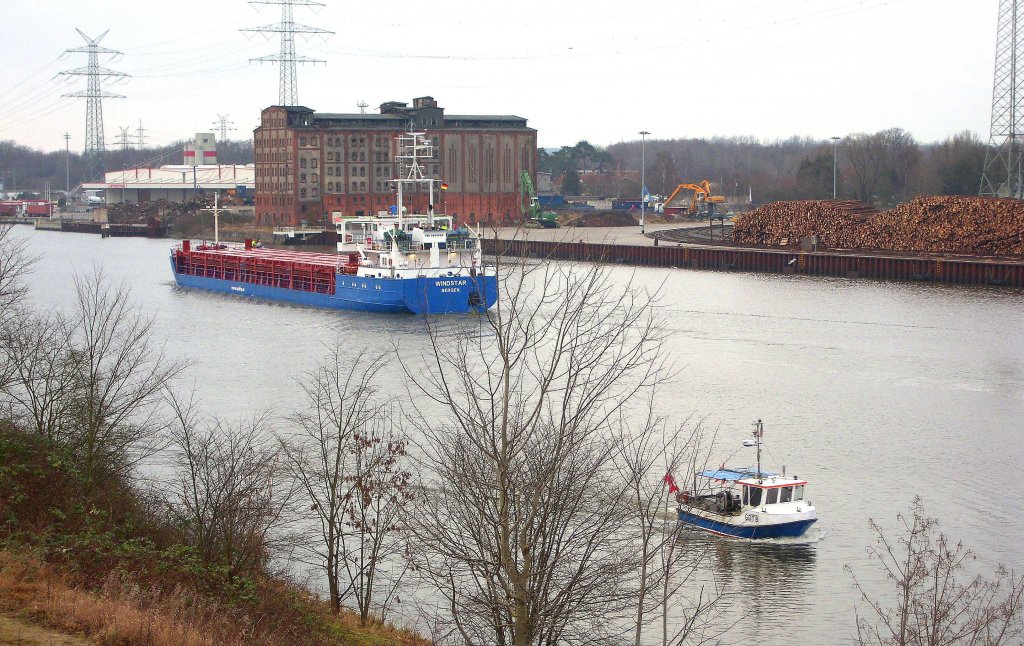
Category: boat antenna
[758,434]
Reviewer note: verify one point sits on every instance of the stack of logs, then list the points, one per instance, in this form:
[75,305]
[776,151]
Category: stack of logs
[966,225]
[127,213]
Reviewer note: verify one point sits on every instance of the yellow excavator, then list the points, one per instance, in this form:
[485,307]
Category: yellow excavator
[703,200]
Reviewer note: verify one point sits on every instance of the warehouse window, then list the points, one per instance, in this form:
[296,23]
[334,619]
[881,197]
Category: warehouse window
[302,193]
[302,163]
[302,141]
[302,177]
[312,163]
[330,186]
[315,178]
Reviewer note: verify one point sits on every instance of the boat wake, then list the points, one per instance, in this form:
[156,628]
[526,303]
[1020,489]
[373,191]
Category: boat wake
[810,538]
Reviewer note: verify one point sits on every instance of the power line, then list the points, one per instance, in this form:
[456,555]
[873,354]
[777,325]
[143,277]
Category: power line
[1002,174]
[94,92]
[124,140]
[223,125]
[287,58]
[140,135]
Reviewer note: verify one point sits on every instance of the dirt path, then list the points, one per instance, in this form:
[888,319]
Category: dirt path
[16,632]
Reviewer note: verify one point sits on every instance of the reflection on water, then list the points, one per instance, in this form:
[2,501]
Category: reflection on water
[768,582]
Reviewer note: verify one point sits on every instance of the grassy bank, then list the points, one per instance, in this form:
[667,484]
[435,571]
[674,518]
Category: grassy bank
[102,563]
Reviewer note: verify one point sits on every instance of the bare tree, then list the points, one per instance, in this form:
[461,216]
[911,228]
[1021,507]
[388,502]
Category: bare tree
[119,375]
[380,490]
[520,531]
[230,498]
[937,603]
[653,458]
[881,164]
[347,458]
[89,382]
[38,390]
[15,263]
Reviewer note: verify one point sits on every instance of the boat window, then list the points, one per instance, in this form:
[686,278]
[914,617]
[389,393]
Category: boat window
[798,492]
[772,497]
[785,494]
[755,496]
[745,490]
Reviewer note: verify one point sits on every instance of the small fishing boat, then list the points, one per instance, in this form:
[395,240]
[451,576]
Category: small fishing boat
[748,502]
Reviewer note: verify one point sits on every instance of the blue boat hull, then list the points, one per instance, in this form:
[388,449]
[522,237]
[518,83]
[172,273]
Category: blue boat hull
[442,295]
[781,530]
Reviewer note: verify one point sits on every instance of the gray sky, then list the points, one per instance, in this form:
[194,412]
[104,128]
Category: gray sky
[598,70]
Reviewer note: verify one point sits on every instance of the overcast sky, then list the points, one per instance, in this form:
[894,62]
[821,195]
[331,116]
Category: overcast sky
[595,70]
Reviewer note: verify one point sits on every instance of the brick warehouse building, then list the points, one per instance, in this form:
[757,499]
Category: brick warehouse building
[310,164]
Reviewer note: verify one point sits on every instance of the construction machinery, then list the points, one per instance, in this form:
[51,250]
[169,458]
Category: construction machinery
[702,204]
[532,212]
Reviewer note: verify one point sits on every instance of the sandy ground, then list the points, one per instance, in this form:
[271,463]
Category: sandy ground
[16,632]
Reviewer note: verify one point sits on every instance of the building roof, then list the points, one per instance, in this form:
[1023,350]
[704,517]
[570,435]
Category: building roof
[179,176]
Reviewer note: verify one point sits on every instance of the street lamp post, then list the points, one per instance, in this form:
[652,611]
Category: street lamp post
[643,179]
[835,157]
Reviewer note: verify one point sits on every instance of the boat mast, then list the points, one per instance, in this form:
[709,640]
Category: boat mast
[758,434]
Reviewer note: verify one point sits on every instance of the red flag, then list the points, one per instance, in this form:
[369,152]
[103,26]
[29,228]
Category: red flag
[671,482]
[444,187]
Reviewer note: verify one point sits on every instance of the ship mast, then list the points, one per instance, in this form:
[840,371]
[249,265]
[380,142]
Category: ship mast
[412,147]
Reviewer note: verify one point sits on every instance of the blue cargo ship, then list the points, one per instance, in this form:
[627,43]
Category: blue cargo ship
[390,262]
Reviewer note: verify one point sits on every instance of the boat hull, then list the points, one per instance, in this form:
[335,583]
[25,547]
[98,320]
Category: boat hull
[737,527]
[440,295]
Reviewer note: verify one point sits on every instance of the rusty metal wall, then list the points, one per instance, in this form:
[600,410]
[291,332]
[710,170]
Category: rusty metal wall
[951,270]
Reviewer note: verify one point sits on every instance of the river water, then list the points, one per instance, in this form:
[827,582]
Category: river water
[874,392]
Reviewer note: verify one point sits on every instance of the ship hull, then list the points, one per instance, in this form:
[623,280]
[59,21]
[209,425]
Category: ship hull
[441,295]
[739,528]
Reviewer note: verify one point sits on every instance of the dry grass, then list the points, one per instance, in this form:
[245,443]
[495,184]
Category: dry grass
[122,613]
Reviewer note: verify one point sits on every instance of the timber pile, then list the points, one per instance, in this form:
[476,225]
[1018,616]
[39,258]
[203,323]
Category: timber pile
[786,223]
[125,213]
[948,224]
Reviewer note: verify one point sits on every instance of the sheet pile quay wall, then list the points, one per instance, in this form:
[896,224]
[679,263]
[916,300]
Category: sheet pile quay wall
[956,270]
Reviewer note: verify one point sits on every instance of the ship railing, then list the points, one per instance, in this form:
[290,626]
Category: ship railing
[466,244]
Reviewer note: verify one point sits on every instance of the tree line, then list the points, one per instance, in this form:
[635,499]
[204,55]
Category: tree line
[882,168]
[520,480]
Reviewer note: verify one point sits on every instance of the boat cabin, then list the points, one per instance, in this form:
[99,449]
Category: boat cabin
[770,491]
[732,491]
